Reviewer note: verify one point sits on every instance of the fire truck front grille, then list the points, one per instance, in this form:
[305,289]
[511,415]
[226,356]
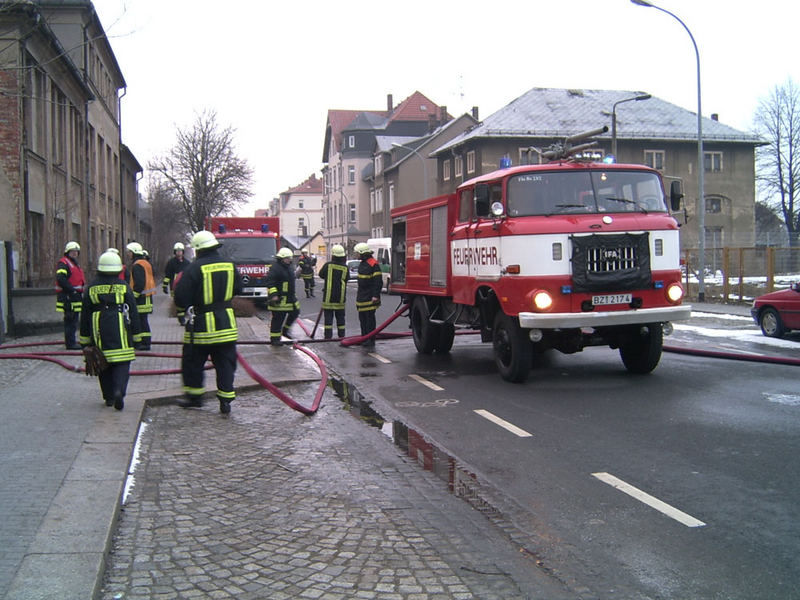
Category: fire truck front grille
[610,262]
[605,260]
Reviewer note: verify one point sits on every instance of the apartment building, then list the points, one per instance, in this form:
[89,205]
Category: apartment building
[64,173]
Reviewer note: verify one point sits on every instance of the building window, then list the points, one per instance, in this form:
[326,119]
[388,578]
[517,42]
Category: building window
[351,174]
[654,159]
[529,156]
[714,204]
[713,162]
[379,200]
[471,161]
[300,203]
[352,213]
[372,200]
[459,166]
[391,196]
[351,141]
[446,170]
[377,164]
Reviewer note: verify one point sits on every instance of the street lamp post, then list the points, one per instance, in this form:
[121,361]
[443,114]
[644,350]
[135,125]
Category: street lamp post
[614,120]
[701,199]
[424,165]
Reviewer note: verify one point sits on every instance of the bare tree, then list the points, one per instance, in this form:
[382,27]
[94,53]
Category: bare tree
[777,120]
[168,222]
[203,171]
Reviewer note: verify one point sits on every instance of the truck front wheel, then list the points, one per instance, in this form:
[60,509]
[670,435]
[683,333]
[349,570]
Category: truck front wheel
[513,350]
[641,353]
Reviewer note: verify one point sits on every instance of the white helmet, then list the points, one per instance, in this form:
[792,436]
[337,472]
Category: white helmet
[178,246]
[203,240]
[114,250]
[362,248]
[284,253]
[134,247]
[338,250]
[72,246]
[109,262]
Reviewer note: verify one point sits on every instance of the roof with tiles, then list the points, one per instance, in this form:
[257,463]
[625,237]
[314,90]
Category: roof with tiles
[417,107]
[312,185]
[554,112]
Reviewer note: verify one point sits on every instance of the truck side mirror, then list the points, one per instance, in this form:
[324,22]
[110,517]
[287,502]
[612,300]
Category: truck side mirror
[482,200]
[675,195]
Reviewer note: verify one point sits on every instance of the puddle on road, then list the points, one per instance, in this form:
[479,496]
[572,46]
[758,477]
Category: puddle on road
[460,482]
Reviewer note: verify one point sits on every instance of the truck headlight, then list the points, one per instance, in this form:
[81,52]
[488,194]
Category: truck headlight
[674,292]
[542,300]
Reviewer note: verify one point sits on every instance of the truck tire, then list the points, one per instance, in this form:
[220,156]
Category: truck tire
[642,354]
[513,350]
[445,337]
[423,331]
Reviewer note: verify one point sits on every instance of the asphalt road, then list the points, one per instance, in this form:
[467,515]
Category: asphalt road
[678,484]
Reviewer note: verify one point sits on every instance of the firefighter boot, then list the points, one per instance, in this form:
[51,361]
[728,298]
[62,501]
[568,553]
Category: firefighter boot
[119,403]
[224,406]
[191,401]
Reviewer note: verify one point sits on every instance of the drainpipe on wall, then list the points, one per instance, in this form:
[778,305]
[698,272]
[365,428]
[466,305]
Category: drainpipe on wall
[87,182]
[121,170]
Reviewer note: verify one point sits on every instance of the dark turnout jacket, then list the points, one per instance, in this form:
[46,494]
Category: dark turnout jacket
[109,318]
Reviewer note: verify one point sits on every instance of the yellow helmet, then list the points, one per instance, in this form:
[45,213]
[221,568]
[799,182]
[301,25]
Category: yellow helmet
[134,247]
[178,246]
[362,248]
[338,250]
[109,262]
[203,240]
[72,246]
[284,253]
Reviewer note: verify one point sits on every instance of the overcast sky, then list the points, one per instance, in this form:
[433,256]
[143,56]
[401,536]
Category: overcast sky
[271,70]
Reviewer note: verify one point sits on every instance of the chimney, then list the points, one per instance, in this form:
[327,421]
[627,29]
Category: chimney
[443,114]
[389,103]
[714,117]
[475,113]
[431,122]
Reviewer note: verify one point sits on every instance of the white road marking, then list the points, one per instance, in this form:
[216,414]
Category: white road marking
[641,496]
[426,383]
[383,359]
[504,424]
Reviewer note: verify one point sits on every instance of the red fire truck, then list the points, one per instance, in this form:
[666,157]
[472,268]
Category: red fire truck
[251,243]
[563,255]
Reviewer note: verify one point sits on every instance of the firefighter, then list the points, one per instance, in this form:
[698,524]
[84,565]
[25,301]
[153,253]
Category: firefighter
[368,294]
[69,287]
[175,265]
[143,285]
[334,276]
[283,303]
[208,285]
[307,264]
[110,321]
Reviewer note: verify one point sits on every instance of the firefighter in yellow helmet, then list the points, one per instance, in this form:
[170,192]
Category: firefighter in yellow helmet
[334,276]
[143,285]
[110,321]
[282,300]
[208,285]
[69,288]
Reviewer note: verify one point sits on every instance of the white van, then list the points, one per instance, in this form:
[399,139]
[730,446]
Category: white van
[382,251]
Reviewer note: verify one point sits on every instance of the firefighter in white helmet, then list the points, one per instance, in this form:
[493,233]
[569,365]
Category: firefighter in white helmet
[174,267]
[368,293]
[70,282]
[110,321]
[334,276]
[208,285]
[143,285]
[282,300]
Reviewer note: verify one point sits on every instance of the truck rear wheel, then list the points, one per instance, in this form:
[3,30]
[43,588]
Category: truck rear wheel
[642,354]
[424,333]
[513,350]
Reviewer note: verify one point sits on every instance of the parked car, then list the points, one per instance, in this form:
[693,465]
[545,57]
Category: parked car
[352,269]
[778,312]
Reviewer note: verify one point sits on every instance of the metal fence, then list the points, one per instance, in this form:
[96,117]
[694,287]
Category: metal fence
[740,274]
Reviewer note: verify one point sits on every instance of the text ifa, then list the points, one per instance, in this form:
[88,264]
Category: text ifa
[485,255]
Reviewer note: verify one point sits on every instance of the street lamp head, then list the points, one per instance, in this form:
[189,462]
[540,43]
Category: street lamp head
[642,3]
[643,97]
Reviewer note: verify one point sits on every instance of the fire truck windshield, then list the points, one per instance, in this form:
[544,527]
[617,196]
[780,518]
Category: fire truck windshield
[590,191]
[248,249]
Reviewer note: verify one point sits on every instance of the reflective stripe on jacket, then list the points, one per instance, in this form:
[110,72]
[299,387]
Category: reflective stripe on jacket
[69,286]
[109,319]
[334,292]
[370,282]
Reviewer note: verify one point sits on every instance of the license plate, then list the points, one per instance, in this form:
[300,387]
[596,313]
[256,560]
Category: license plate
[248,290]
[611,299]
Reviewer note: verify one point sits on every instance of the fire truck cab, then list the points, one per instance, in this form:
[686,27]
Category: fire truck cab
[561,256]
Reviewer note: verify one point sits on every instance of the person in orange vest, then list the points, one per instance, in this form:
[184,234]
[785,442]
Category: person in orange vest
[69,289]
[143,285]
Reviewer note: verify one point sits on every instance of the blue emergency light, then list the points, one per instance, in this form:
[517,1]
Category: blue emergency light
[264,227]
[222,227]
